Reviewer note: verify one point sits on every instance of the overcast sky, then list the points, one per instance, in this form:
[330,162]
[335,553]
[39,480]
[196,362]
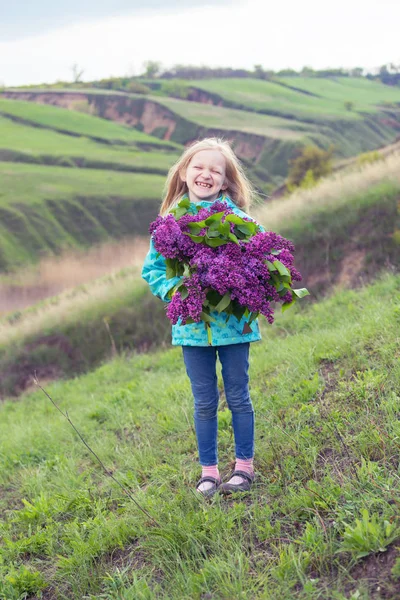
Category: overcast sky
[40,40]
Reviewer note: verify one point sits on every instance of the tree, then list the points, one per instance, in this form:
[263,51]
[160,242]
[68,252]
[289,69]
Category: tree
[349,105]
[259,72]
[77,73]
[152,69]
[312,164]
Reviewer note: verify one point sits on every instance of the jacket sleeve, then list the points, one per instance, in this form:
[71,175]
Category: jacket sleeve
[154,272]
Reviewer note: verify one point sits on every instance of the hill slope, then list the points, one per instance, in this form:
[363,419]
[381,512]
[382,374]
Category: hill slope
[324,385]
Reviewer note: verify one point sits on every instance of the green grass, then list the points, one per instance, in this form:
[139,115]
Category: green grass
[366,95]
[44,144]
[47,209]
[220,117]
[270,96]
[76,122]
[324,382]
[31,183]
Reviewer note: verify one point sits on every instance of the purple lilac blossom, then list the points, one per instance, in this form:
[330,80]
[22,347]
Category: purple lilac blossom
[237,269]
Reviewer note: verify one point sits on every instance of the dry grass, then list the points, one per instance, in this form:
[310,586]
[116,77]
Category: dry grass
[70,305]
[335,189]
[53,275]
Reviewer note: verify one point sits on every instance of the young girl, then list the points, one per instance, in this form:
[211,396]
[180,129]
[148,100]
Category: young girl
[206,172]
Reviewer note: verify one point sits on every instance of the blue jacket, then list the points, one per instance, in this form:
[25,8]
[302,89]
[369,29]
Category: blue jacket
[195,334]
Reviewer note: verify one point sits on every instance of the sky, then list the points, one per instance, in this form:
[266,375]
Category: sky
[41,40]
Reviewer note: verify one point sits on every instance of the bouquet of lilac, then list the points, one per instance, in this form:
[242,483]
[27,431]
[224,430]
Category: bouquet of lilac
[226,264]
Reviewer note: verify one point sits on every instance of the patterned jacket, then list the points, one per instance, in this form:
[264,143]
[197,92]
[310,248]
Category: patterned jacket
[195,334]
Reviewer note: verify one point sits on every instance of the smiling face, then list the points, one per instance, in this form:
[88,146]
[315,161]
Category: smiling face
[205,175]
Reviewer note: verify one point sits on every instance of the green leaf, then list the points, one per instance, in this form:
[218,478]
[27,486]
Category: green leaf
[282,270]
[226,299]
[270,265]
[194,227]
[253,316]
[215,217]
[235,219]
[239,311]
[288,304]
[206,318]
[185,203]
[184,292]
[224,228]
[214,242]
[301,292]
[179,212]
[212,234]
[196,238]
[247,228]
[213,297]
[171,268]
[275,252]
[233,238]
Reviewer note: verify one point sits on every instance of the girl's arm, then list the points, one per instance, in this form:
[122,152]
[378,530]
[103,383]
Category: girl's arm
[154,272]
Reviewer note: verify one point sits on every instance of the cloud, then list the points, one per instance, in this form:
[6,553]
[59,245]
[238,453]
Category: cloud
[239,35]
[28,18]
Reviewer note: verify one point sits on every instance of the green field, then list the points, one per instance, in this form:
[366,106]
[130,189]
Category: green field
[219,117]
[270,96]
[47,209]
[46,145]
[76,122]
[324,383]
[366,95]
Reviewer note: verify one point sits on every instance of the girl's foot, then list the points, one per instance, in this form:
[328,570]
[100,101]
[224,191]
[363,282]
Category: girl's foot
[240,481]
[208,485]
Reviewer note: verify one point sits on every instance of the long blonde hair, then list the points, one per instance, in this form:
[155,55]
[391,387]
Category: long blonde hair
[239,189]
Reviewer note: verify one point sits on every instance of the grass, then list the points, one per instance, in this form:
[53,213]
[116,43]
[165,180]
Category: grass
[58,118]
[270,96]
[324,383]
[331,192]
[54,274]
[47,209]
[220,117]
[366,95]
[46,146]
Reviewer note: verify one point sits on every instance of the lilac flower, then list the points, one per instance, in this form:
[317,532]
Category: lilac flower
[243,270]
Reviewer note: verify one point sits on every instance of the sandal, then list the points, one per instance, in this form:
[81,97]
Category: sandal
[210,491]
[244,486]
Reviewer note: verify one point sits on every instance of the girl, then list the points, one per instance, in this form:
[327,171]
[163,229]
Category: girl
[206,172]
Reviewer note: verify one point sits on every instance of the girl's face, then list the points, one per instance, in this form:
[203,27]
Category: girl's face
[205,175]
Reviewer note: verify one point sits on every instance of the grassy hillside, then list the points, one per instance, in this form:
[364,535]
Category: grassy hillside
[346,232]
[321,521]
[27,144]
[79,123]
[50,205]
[219,117]
[45,209]
[317,99]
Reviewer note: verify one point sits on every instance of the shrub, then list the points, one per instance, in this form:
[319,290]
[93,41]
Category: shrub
[312,164]
[369,157]
[137,88]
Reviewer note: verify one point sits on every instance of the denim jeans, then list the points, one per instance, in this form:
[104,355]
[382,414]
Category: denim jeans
[200,362]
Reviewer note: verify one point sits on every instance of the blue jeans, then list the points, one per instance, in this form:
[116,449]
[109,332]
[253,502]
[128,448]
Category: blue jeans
[200,362]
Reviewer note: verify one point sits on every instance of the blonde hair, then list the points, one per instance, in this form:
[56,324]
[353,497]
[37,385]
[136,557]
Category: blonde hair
[239,189]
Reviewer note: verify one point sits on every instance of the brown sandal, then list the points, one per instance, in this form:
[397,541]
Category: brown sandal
[230,488]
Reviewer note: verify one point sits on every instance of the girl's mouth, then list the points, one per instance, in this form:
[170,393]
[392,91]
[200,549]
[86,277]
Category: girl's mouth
[203,184]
